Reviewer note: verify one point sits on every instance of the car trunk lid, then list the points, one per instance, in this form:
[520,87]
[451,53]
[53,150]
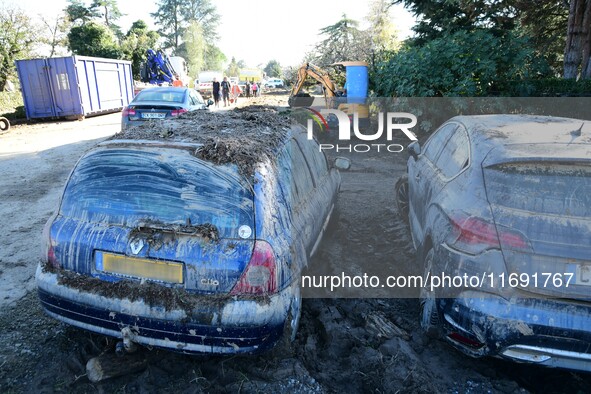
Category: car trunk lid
[158,214]
[548,204]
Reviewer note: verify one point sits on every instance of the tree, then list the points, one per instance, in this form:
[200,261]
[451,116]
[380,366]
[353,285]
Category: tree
[169,18]
[18,34]
[109,11]
[174,16]
[214,58]
[344,41]
[382,32]
[204,12]
[56,28]
[273,69]
[93,39]
[193,47]
[233,69]
[577,52]
[136,43]
[79,14]
[476,63]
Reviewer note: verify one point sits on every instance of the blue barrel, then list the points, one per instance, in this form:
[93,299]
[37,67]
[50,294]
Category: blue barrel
[357,81]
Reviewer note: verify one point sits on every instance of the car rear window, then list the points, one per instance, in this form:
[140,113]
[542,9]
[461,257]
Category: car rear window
[169,96]
[551,188]
[125,186]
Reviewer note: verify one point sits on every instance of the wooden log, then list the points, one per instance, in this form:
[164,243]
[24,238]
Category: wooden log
[110,365]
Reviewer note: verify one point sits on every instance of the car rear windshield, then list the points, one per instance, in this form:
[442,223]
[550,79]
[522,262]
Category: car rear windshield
[131,186]
[169,96]
[551,188]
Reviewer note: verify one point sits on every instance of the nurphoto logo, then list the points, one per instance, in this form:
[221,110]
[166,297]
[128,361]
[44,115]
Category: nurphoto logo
[393,123]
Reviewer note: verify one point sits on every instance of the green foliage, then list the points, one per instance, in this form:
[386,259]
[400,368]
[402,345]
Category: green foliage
[550,87]
[135,44]
[93,39]
[79,14]
[12,106]
[543,21]
[214,58]
[18,34]
[56,33]
[273,69]
[108,10]
[169,18]
[193,47]
[383,35]
[476,63]
[233,69]
[175,16]
[343,41]
[204,13]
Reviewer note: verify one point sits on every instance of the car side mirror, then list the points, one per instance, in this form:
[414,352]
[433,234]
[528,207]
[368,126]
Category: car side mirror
[342,163]
[209,102]
[414,148]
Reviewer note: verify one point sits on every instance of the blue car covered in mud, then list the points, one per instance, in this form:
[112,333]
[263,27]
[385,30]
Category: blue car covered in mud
[190,244]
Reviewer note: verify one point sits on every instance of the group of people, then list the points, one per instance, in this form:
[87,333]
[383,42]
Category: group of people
[229,92]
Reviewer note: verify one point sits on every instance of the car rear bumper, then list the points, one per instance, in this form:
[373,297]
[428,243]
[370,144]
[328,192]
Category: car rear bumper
[225,327]
[553,333]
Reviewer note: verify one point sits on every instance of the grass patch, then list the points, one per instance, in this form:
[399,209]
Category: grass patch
[11,105]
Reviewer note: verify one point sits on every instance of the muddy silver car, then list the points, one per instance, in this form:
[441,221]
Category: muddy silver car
[500,213]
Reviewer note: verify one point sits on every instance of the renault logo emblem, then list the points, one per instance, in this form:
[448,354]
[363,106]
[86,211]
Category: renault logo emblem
[136,246]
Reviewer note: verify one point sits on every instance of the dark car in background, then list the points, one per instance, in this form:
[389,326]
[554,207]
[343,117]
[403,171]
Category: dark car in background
[161,103]
[506,201]
[158,246]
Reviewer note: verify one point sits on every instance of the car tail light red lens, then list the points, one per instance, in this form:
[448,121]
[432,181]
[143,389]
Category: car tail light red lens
[177,112]
[51,259]
[475,235]
[260,275]
[127,111]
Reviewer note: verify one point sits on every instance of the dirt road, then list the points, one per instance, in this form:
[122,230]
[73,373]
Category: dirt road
[344,345]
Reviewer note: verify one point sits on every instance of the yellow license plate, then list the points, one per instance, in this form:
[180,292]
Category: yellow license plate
[164,271]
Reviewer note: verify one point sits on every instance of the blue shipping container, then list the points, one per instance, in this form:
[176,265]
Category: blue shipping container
[74,86]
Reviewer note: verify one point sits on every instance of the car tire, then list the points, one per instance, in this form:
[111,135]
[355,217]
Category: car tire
[401,195]
[428,314]
[4,125]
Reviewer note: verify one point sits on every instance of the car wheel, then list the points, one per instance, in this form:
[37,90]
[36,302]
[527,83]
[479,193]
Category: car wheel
[402,201]
[428,315]
[4,125]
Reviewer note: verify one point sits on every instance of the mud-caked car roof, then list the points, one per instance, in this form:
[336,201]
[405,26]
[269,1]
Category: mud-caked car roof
[500,137]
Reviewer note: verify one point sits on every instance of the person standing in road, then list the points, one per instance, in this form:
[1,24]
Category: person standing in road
[225,91]
[215,92]
[255,89]
[236,91]
[247,88]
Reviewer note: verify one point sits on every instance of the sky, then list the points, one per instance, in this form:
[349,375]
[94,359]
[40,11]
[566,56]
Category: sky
[255,31]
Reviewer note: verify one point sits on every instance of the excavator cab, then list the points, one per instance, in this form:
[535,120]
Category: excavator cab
[350,100]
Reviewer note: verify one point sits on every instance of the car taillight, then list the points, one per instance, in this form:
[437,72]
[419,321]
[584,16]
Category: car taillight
[260,275]
[51,259]
[177,112]
[474,235]
[128,111]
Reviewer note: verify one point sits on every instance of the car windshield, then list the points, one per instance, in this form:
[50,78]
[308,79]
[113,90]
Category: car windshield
[165,95]
[131,186]
[550,188]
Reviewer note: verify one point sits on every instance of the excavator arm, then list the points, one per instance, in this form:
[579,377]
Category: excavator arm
[310,70]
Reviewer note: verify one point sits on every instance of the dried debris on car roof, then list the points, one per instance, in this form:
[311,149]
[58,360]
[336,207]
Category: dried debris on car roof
[241,137]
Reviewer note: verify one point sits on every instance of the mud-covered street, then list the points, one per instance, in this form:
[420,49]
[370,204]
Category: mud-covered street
[343,345]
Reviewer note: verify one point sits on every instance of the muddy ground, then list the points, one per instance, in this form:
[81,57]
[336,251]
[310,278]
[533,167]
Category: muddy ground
[344,345]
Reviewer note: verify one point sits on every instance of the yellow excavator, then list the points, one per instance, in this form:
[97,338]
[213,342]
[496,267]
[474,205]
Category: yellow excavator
[353,97]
